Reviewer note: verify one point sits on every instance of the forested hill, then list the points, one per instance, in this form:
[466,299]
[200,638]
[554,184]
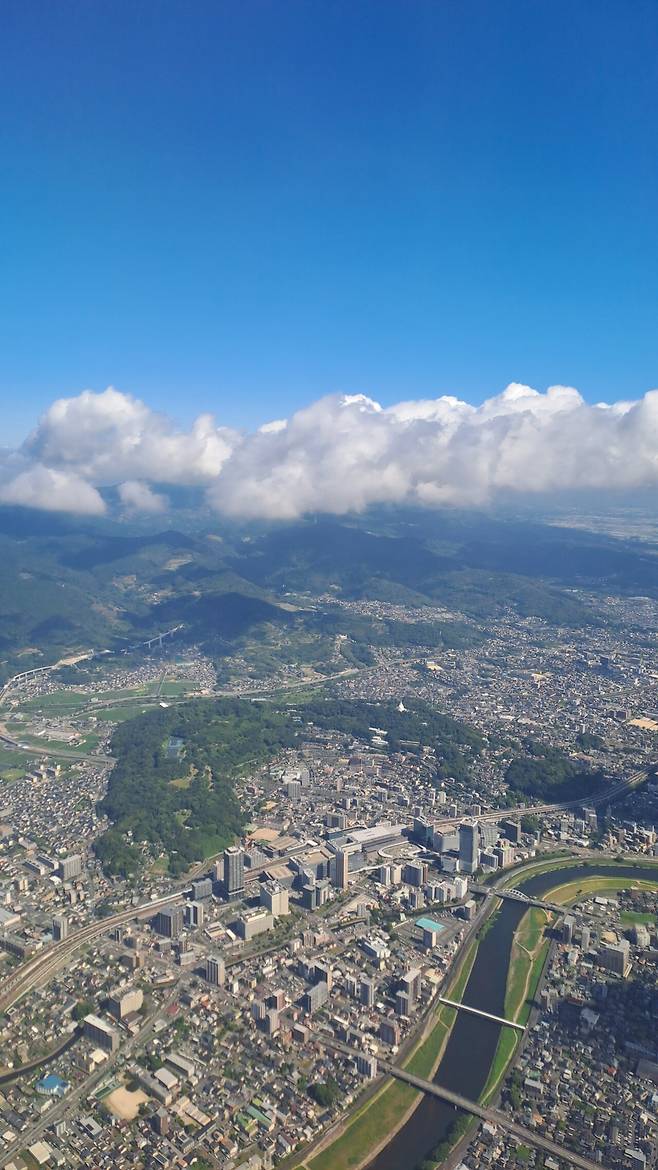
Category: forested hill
[181,801]
[172,788]
[68,584]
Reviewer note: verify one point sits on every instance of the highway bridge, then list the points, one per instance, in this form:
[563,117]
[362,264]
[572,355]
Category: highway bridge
[519,896]
[528,1136]
[494,1116]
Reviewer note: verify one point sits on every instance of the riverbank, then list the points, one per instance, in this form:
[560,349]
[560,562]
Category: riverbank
[385,1114]
[398,1128]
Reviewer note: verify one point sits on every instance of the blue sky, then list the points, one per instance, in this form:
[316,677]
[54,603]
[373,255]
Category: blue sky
[243,206]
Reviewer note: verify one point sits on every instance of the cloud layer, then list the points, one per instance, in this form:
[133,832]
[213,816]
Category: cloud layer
[340,454]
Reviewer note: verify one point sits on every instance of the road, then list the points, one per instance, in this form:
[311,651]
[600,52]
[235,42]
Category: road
[44,964]
[495,1116]
[66,1105]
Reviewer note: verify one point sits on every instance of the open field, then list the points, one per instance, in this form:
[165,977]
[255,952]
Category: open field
[529,951]
[637,917]
[584,887]
[120,713]
[124,1104]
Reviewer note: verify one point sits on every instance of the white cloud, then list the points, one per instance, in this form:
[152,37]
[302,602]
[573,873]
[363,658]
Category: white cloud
[54,491]
[339,454]
[110,437]
[139,497]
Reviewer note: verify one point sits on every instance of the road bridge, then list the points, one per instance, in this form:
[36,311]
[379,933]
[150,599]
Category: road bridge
[485,1113]
[519,896]
[494,1116]
[465,1007]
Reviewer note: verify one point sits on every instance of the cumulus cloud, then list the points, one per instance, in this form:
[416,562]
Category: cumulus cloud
[344,453]
[53,491]
[339,454]
[111,437]
[137,496]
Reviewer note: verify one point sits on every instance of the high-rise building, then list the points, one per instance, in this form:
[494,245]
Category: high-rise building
[403,1004]
[202,889]
[411,984]
[389,1032]
[315,997]
[275,898]
[194,914]
[415,873]
[60,928]
[103,1035]
[234,873]
[70,867]
[169,922]
[366,1065]
[616,958]
[367,991]
[489,834]
[215,970]
[468,846]
[125,1002]
[342,869]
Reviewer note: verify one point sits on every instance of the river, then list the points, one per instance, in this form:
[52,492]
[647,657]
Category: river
[471,1047]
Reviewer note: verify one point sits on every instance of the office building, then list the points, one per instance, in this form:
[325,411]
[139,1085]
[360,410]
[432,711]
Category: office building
[568,924]
[194,915]
[215,970]
[169,922]
[468,846]
[254,922]
[70,867]
[489,834]
[202,889]
[60,928]
[275,898]
[125,1002]
[616,958]
[315,998]
[367,992]
[233,873]
[101,1034]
